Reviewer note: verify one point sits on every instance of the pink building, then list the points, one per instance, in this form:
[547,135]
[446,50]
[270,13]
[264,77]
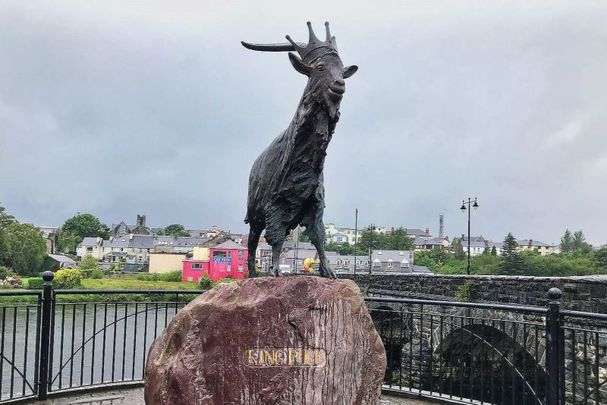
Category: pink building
[226,259]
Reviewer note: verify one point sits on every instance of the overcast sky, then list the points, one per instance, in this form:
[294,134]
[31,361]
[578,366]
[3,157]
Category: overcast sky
[118,108]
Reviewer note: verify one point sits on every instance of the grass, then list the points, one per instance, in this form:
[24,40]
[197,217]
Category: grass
[125,283]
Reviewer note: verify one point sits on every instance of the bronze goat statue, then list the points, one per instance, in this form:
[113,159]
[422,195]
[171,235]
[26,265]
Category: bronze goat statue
[286,181]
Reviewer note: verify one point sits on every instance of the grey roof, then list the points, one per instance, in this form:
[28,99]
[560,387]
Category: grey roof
[264,246]
[90,241]
[416,232]
[63,259]
[394,255]
[290,244]
[301,253]
[473,244]
[230,244]
[531,242]
[430,241]
[420,269]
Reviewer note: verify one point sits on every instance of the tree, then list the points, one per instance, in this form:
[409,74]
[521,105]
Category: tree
[493,251]
[458,248]
[5,220]
[399,240]
[77,228]
[567,242]
[579,243]
[303,237]
[512,262]
[88,264]
[599,257]
[26,248]
[176,230]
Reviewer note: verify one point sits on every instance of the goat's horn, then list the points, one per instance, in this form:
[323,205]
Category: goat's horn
[283,47]
[312,37]
[328,31]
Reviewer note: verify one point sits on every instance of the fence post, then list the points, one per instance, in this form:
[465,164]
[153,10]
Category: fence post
[554,344]
[45,337]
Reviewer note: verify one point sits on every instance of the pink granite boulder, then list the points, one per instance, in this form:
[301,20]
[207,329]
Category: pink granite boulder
[293,340]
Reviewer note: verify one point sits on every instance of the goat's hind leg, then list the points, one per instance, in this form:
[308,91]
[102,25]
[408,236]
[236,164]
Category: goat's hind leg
[253,242]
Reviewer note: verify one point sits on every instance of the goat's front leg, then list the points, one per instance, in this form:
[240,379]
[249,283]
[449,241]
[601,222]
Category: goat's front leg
[276,251]
[316,232]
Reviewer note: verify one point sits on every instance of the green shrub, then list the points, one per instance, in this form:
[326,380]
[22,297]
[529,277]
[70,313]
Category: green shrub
[97,274]
[67,278]
[206,283]
[464,292]
[5,272]
[35,283]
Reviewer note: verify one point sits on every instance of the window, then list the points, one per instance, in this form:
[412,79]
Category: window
[240,268]
[229,268]
[196,266]
[389,264]
[89,249]
[241,254]
[220,254]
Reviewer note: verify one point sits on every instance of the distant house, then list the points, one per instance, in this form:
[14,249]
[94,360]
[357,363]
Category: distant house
[392,261]
[166,262]
[542,248]
[226,259]
[421,243]
[61,262]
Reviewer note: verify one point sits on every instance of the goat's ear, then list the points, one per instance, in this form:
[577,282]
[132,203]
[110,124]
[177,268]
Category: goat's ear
[299,65]
[349,71]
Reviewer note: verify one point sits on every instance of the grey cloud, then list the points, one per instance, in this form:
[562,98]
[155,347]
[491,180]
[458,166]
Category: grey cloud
[120,108]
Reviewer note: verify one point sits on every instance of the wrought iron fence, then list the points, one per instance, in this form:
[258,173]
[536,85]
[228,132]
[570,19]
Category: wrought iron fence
[61,340]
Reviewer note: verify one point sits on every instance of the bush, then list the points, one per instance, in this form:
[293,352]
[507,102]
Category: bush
[11,281]
[206,283]
[463,294]
[35,283]
[5,272]
[97,274]
[67,278]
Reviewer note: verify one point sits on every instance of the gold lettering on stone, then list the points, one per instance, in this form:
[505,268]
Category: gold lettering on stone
[285,357]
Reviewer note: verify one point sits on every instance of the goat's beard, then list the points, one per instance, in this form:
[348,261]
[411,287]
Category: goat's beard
[332,105]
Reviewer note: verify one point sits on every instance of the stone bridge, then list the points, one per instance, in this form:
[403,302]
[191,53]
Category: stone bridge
[496,353]
[585,293]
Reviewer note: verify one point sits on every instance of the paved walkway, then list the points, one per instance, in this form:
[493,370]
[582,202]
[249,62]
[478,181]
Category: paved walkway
[134,396]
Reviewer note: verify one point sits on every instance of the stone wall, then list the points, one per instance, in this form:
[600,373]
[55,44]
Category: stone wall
[579,293]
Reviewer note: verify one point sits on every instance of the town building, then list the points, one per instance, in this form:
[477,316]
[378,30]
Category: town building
[166,262]
[228,259]
[134,250]
[542,248]
[122,229]
[51,236]
[61,262]
[422,243]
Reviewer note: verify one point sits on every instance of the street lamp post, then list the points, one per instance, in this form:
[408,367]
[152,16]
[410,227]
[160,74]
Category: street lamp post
[471,204]
[371,230]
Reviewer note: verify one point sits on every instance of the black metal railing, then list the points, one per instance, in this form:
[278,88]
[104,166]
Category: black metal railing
[54,341]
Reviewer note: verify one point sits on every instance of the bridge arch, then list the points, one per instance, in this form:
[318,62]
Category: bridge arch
[488,364]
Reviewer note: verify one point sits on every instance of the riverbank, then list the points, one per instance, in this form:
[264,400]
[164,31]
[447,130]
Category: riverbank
[113,283]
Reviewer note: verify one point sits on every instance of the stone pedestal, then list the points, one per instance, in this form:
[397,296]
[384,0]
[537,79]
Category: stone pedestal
[294,340]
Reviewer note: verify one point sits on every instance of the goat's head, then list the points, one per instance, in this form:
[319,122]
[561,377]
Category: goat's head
[319,61]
